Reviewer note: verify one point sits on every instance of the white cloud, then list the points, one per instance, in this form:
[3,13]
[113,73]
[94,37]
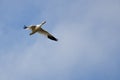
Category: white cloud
[76,46]
[84,48]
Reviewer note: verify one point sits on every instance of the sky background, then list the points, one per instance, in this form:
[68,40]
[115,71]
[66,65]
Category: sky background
[88,46]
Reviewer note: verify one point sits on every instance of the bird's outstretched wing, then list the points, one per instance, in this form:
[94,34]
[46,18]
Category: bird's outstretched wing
[44,32]
[52,38]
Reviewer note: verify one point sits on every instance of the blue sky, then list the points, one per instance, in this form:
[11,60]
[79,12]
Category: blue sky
[88,46]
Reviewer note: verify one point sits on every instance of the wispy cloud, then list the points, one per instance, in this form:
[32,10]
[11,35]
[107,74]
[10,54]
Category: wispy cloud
[88,46]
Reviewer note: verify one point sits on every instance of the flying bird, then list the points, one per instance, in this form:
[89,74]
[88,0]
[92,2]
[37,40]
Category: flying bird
[38,28]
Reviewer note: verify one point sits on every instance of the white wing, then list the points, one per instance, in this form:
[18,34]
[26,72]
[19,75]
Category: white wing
[40,25]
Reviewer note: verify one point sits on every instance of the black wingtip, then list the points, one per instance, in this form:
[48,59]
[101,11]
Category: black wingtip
[52,38]
[25,27]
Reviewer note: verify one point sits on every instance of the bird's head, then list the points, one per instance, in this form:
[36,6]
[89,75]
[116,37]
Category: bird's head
[25,27]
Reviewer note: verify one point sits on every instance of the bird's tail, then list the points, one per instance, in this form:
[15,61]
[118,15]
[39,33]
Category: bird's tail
[25,27]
